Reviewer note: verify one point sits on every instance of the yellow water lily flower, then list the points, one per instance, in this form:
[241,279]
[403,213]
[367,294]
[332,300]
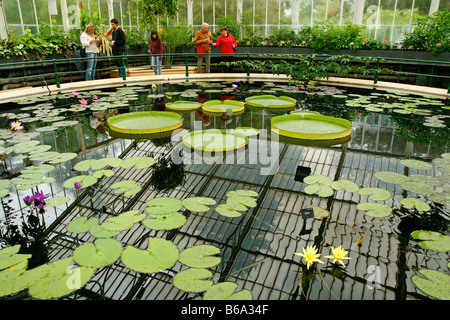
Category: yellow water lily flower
[338,255]
[310,256]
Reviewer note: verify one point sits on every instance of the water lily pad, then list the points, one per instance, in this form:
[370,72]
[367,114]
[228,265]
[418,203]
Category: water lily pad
[240,203]
[163,205]
[40,168]
[228,211]
[198,204]
[94,164]
[320,184]
[103,173]
[103,253]
[226,291]
[249,132]
[418,187]
[160,255]
[10,279]
[53,202]
[391,177]
[377,210]
[416,164]
[57,279]
[193,280]
[419,205]
[348,185]
[242,193]
[432,240]
[201,256]
[9,257]
[81,225]
[97,231]
[169,221]
[123,221]
[436,284]
[376,194]
[127,187]
[85,180]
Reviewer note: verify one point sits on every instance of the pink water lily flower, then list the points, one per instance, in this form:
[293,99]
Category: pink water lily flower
[15,125]
[74,93]
[95,97]
[83,101]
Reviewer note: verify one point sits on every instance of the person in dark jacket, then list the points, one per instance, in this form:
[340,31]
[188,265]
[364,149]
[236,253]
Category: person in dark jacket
[156,47]
[118,44]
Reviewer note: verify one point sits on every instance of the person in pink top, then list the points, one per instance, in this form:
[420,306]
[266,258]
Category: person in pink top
[227,45]
[156,47]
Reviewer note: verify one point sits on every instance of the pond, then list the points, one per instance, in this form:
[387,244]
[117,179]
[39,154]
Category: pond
[381,195]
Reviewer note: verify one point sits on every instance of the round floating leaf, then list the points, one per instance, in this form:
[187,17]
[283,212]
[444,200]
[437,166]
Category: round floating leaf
[441,197]
[165,222]
[113,162]
[240,203]
[81,225]
[9,256]
[99,232]
[128,187]
[376,194]
[228,211]
[123,221]
[161,254]
[163,205]
[436,284]
[103,173]
[59,280]
[62,157]
[391,177]
[86,181]
[419,205]
[193,280]
[4,183]
[416,164]
[417,187]
[103,253]
[320,184]
[242,193]
[53,202]
[94,164]
[225,291]
[377,210]
[40,168]
[201,256]
[10,279]
[198,204]
[432,240]
[348,185]
[432,181]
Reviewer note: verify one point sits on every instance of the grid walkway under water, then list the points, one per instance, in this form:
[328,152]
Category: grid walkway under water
[258,248]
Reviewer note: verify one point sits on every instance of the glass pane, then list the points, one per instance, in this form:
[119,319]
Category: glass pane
[28,12]
[320,10]
[208,12]
[104,10]
[219,7]
[387,12]
[11,12]
[304,17]
[197,11]
[403,12]
[260,13]
[348,13]
[286,12]
[370,16]
[273,12]
[232,9]
[182,11]
[73,12]
[125,14]
[334,11]
[42,11]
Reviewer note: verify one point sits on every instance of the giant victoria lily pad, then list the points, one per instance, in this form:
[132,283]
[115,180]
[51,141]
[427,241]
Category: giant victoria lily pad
[215,140]
[271,102]
[145,122]
[311,127]
[218,107]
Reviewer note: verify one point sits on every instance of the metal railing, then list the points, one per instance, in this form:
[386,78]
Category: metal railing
[186,60]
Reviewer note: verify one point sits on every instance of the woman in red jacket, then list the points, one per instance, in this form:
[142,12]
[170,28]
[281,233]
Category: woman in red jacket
[227,45]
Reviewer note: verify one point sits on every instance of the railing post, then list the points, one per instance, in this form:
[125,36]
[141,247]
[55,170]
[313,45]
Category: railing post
[375,79]
[187,63]
[58,83]
[25,76]
[124,77]
[248,64]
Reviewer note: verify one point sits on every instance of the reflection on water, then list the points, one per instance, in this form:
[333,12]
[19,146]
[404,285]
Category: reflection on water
[386,126]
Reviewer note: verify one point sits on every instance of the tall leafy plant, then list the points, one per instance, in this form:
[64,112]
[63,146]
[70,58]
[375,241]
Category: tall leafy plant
[431,33]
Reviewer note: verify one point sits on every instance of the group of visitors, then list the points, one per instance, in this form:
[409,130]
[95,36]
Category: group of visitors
[90,45]
[203,40]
